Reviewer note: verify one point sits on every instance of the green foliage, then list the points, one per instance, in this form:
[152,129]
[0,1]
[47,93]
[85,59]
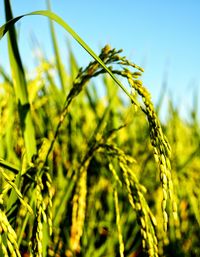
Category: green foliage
[102,179]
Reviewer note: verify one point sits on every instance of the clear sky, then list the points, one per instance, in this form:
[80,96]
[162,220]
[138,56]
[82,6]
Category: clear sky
[161,36]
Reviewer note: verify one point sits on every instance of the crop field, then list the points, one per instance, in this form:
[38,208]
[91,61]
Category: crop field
[85,174]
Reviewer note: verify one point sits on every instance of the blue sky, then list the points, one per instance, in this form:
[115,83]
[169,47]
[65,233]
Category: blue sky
[161,36]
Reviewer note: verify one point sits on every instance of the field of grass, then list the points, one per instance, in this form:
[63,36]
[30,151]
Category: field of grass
[83,174]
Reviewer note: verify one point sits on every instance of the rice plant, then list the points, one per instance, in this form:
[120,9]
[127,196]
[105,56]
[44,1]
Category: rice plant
[89,175]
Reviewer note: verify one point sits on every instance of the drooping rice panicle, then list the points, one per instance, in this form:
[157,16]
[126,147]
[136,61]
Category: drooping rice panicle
[18,193]
[162,150]
[79,209]
[37,233]
[137,200]
[8,237]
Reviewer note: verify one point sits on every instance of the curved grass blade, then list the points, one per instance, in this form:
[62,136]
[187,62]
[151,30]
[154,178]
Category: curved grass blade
[60,21]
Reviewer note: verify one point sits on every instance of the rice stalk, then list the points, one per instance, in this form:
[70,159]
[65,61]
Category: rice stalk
[121,244]
[20,86]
